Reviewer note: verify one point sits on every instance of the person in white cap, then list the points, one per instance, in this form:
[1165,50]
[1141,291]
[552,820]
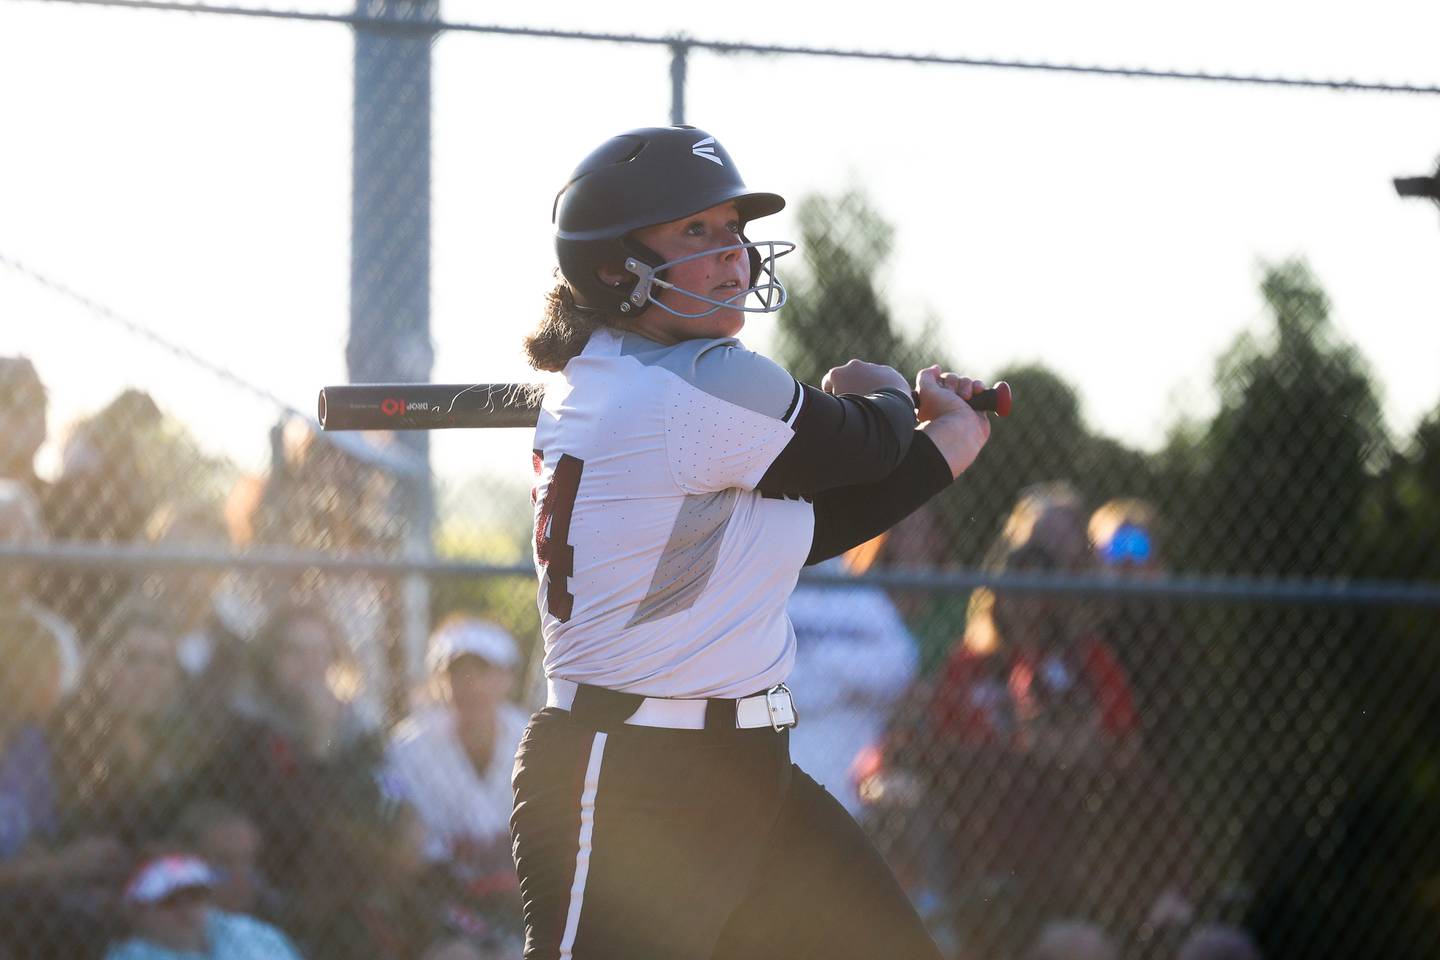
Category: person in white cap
[452,759]
[172,917]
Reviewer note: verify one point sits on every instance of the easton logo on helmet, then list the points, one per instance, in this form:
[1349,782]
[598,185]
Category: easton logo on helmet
[706,149]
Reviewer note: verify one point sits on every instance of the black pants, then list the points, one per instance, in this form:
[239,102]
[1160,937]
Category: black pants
[635,843]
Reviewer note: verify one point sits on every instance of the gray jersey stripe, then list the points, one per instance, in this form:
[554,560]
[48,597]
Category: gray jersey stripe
[689,556]
[722,368]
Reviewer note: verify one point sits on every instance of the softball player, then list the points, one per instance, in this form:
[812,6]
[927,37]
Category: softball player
[682,482]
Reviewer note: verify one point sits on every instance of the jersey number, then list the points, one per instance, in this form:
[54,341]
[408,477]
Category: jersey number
[552,533]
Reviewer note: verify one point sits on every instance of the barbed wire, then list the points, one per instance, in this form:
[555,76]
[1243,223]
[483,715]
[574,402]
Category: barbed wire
[685,42]
[398,461]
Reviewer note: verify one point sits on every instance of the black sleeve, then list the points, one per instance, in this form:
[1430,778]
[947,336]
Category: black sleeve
[848,516]
[840,441]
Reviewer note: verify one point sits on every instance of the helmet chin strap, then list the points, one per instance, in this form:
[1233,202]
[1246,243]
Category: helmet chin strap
[772,294]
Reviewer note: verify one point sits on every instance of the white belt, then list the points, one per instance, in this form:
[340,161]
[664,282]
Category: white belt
[773,708]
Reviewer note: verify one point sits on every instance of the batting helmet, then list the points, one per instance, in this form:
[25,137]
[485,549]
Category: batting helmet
[649,176]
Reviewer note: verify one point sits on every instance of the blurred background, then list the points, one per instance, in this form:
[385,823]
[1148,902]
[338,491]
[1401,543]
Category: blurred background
[1157,678]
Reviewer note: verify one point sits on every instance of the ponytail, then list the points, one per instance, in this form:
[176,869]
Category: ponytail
[563,330]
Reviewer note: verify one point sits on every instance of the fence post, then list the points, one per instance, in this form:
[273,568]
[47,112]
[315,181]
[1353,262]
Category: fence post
[390,270]
[679,53]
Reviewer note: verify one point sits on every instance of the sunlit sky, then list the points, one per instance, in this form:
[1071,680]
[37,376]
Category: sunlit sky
[192,173]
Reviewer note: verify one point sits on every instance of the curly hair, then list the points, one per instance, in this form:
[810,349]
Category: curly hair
[563,330]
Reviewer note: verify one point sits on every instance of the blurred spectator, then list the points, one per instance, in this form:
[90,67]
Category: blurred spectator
[1032,741]
[853,659]
[1128,544]
[22,421]
[192,592]
[169,904]
[1048,515]
[1125,533]
[917,542]
[123,752]
[20,523]
[41,879]
[1032,675]
[393,905]
[1029,730]
[105,492]
[291,737]
[29,691]
[1218,942]
[453,759]
[212,617]
[229,843]
[1072,941]
[320,497]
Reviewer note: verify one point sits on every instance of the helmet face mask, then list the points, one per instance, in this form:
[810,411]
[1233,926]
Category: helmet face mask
[645,178]
[771,293]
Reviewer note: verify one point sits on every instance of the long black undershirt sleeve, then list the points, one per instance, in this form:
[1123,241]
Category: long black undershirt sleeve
[848,516]
[840,441]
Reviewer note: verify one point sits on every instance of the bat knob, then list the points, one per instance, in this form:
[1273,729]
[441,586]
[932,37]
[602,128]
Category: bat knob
[1003,399]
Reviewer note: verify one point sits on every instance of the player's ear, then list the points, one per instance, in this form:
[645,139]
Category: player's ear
[613,275]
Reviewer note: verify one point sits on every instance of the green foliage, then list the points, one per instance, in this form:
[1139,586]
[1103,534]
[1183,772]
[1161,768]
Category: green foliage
[1401,530]
[837,309]
[1288,459]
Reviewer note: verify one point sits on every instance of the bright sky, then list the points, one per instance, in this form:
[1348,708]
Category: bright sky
[192,173]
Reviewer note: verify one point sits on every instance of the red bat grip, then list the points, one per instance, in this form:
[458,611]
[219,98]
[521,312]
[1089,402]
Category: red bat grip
[996,400]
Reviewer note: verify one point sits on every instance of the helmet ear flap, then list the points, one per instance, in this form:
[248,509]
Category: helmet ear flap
[580,264]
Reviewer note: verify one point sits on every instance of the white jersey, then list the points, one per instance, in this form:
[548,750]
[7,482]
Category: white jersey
[662,570]
[459,805]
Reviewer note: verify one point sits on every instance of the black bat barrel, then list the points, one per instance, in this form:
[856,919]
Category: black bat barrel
[428,406]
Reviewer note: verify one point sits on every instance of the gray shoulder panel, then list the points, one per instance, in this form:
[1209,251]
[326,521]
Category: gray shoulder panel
[723,368]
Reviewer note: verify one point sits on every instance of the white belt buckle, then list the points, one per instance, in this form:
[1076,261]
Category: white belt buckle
[781,706]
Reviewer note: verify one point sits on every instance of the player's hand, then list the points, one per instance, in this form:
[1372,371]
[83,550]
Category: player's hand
[857,376]
[947,419]
[941,393]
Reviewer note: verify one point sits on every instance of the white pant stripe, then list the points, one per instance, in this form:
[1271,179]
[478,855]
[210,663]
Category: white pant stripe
[582,856]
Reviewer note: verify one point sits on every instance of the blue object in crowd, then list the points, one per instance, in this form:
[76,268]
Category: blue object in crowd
[1128,545]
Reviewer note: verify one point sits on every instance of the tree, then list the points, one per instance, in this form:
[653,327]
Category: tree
[1292,451]
[1402,519]
[836,309]
[1281,483]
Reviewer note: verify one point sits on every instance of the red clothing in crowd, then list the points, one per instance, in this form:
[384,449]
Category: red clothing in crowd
[996,698]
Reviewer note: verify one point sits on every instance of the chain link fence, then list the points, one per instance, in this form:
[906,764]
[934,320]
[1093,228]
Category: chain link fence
[1096,700]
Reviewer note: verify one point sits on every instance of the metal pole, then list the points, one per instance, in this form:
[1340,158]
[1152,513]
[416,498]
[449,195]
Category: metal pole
[679,51]
[390,271]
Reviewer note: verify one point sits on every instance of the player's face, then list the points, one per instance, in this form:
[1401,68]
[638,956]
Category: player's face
[721,276]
